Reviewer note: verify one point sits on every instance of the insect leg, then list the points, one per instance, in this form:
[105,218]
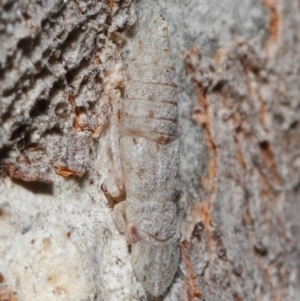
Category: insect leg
[129,229]
[115,187]
[115,143]
[119,216]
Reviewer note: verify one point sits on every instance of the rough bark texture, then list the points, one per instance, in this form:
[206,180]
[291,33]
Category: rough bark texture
[239,125]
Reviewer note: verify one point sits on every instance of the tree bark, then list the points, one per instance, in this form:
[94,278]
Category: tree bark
[237,64]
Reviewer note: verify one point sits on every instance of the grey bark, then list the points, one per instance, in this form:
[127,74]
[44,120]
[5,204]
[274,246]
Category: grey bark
[239,208]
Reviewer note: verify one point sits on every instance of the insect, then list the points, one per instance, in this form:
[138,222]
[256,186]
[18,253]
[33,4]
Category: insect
[146,159]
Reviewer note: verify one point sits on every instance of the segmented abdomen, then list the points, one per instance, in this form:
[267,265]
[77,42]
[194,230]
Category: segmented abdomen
[149,107]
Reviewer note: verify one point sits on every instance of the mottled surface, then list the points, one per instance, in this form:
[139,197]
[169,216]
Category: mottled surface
[239,132]
[59,65]
[239,160]
[240,238]
[56,62]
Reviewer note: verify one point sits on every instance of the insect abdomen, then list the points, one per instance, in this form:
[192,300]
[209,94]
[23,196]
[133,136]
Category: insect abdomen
[149,108]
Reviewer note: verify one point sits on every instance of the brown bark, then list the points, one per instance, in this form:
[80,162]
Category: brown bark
[248,108]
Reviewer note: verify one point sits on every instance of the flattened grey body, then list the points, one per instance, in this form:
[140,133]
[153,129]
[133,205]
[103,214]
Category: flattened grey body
[149,156]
